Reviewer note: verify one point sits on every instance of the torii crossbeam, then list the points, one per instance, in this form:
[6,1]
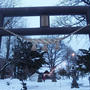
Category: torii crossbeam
[46,12]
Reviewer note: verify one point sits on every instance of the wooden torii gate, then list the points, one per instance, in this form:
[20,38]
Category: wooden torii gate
[44,13]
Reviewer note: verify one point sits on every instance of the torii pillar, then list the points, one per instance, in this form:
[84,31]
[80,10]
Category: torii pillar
[88,18]
[1,25]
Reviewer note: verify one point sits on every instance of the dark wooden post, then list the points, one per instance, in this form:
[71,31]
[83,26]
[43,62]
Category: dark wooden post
[1,25]
[88,18]
[88,22]
[44,21]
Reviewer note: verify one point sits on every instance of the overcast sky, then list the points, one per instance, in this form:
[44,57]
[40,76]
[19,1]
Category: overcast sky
[76,42]
[29,3]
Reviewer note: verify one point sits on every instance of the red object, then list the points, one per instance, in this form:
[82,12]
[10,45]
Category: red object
[44,77]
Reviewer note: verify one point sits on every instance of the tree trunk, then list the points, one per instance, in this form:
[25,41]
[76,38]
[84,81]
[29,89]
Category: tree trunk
[8,48]
[54,77]
[2,74]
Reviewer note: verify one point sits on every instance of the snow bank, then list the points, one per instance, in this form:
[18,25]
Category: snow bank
[10,84]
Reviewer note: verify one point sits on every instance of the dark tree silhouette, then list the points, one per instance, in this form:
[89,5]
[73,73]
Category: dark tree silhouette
[84,61]
[26,61]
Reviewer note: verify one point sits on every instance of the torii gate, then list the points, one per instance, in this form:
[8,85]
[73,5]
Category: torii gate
[44,13]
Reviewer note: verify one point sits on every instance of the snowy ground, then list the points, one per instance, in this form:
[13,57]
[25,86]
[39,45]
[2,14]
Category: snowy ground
[62,84]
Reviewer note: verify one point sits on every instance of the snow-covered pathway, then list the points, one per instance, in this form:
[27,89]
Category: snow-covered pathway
[62,84]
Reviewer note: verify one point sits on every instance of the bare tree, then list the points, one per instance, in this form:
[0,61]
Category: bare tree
[72,20]
[8,41]
[56,55]
[10,22]
[74,2]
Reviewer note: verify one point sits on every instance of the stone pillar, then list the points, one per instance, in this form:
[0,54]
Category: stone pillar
[1,25]
[74,83]
[44,21]
[40,77]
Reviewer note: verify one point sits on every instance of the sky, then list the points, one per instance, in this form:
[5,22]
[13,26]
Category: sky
[34,21]
[77,42]
[32,3]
